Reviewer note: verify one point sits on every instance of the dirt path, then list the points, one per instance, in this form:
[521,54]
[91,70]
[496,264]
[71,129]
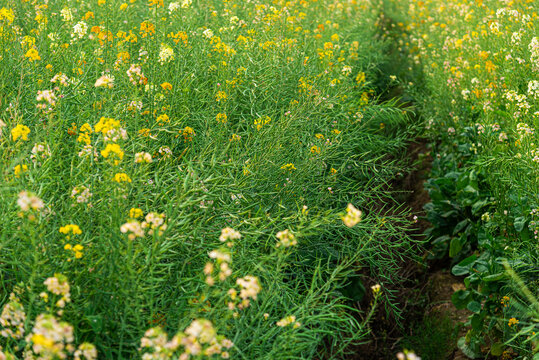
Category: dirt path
[430,323]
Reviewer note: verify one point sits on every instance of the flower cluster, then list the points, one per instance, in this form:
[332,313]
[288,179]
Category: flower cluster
[46,101]
[229,234]
[223,259]
[105,81]
[28,201]
[40,151]
[13,319]
[20,131]
[70,229]
[286,239]
[199,340]
[289,320]
[81,194]
[352,217]
[136,76]
[154,223]
[58,285]
[249,289]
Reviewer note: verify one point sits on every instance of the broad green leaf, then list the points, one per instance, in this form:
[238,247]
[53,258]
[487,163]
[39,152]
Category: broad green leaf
[519,223]
[463,268]
[496,349]
[455,247]
[474,306]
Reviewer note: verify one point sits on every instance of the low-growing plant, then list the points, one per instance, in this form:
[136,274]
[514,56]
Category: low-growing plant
[472,69]
[210,176]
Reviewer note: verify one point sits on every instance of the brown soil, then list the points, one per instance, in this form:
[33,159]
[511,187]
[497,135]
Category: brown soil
[441,285]
[428,289]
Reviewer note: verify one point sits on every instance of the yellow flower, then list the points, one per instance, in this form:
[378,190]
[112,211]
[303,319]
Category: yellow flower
[86,128]
[360,78]
[19,169]
[146,28]
[161,119]
[166,86]
[123,6]
[188,133]
[512,321]
[20,131]
[221,96]
[489,66]
[179,36]
[41,340]
[123,55]
[77,250]
[352,217]
[122,177]
[32,55]
[261,121]
[106,124]
[7,14]
[84,138]
[221,118]
[289,167]
[315,149]
[71,229]
[114,149]
[135,213]
[144,132]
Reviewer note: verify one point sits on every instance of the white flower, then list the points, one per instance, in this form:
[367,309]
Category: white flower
[106,81]
[27,201]
[79,30]
[2,125]
[166,54]
[134,228]
[221,256]
[229,234]
[286,239]
[143,157]
[208,33]
[289,320]
[533,89]
[66,14]
[534,50]
[352,217]
[48,96]
[250,287]
[173,7]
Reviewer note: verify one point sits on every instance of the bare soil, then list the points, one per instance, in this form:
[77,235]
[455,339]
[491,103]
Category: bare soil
[428,289]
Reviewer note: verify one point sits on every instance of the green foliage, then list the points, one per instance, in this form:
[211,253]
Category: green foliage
[480,105]
[164,127]
[433,338]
